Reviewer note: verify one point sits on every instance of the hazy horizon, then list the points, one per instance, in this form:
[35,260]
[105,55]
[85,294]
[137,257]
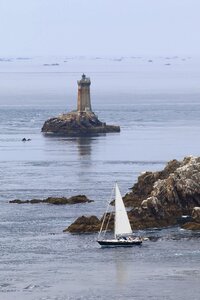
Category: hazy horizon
[105,28]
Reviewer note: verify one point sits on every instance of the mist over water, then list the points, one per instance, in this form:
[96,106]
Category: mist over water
[156,103]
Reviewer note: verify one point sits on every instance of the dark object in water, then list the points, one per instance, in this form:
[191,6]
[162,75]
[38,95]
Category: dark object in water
[55,200]
[26,140]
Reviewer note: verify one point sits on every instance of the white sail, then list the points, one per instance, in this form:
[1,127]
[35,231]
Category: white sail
[122,224]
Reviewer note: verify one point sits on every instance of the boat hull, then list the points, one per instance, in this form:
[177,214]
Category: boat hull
[113,243]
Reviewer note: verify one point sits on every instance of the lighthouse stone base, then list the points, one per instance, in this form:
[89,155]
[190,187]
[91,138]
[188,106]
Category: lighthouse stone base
[77,123]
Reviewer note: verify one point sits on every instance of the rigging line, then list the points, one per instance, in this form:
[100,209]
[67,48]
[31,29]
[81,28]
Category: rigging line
[110,214]
[102,224]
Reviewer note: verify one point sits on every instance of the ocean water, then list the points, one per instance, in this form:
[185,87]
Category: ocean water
[157,105]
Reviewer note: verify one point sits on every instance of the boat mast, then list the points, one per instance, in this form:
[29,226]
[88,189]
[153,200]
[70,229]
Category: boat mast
[104,218]
[115,235]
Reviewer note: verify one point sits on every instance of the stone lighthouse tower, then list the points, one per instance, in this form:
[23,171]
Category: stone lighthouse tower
[84,103]
[81,122]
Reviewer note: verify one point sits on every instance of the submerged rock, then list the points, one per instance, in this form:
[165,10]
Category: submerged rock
[55,200]
[159,199]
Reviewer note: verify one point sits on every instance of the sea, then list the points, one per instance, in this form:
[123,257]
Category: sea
[156,102]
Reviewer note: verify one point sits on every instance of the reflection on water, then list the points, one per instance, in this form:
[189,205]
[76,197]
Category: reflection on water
[121,272]
[84,145]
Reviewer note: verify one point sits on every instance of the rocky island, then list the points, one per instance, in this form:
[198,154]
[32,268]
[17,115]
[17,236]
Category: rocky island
[81,122]
[159,199]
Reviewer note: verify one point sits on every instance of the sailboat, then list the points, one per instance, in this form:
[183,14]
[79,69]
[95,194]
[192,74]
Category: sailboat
[122,228]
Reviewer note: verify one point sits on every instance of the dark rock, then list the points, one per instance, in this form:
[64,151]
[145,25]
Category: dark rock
[84,225]
[71,200]
[77,124]
[56,200]
[191,226]
[17,201]
[195,223]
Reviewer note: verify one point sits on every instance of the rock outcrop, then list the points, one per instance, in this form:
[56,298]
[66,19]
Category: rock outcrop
[77,124]
[159,199]
[195,223]
[175,192]
[84,225]
[145,184]
[55,200]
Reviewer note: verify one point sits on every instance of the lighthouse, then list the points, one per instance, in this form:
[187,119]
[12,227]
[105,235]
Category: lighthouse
[83,103]
[79,122]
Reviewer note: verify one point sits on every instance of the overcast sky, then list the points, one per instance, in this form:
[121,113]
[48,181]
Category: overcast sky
[99,27]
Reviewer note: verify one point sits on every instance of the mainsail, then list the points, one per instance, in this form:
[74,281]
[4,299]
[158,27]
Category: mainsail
[122,224]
